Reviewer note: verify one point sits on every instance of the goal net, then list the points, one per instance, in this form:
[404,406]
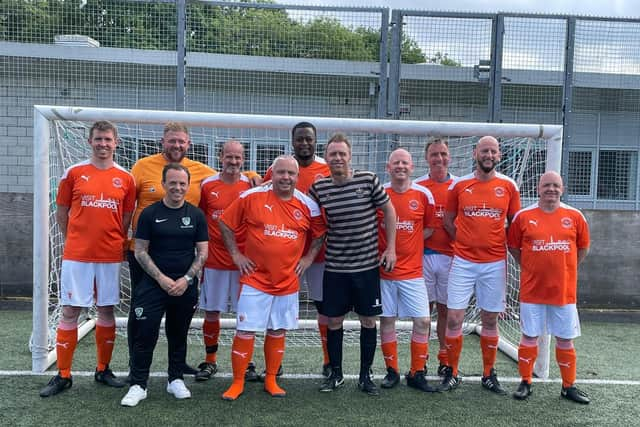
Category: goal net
[60,140]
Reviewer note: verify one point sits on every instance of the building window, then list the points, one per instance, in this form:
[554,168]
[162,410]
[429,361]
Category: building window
[580,173]
[617,171]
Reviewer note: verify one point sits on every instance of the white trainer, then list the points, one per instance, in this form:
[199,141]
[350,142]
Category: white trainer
[178,389]
[134,396]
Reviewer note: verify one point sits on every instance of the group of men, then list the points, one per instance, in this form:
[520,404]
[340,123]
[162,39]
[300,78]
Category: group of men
[391,250]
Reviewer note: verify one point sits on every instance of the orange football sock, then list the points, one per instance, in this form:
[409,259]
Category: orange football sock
[443,357]
[211,333]
[241,354]
[273,354]
[454,348]
[390,354]
[526,360]
[567,362]
[489,347]
[105,339]
[419,355]
[66,340]
[323,339]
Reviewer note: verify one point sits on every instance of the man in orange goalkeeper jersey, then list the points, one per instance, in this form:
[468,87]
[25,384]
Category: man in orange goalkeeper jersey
[549,239]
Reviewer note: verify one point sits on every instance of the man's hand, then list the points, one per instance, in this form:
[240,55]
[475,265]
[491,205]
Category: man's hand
[303,264]
[179,287]
[244,264]
[388,259]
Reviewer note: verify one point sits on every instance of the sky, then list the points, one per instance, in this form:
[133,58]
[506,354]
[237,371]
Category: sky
[606,8]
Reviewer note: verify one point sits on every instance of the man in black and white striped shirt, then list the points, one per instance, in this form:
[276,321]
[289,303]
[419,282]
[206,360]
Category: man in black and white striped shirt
[349,200]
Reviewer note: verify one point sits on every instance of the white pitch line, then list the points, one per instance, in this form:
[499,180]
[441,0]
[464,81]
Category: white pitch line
[471,379]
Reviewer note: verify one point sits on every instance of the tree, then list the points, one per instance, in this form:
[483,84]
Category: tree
[443,59]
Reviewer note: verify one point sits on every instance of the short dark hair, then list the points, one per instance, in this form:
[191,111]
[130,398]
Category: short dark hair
[104,126]
[177,167]
[338,137]
[303,125]
[435,140]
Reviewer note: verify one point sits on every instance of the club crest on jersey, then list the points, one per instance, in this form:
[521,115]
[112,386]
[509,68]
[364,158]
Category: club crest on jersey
[186,220]
[138,311]
[117,182]
[499,191]
[413,205]
[297,214]
[566,222]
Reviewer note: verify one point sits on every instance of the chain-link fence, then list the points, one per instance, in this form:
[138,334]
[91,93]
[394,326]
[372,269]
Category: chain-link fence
[331,61]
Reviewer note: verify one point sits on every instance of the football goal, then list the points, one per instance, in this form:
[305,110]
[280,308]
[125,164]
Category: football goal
[60,140]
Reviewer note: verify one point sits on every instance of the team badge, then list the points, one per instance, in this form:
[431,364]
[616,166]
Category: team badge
[117,182]
[499,191]
[186,220]
[566,222]
[413,205]
[152,190]
[297,215]
[139,311]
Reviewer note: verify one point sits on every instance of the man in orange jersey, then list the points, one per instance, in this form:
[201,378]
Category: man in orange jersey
[549,239]
[312,168]
[147,173]
[404,293]
[220,281]
[438,248]
[478,206]
[277,218]
[95,201]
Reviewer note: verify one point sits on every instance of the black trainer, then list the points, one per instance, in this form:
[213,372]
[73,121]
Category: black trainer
[332,383]
[326,370]
[575,394]
[523,391]
[250,374]
[366,385]
[391,379]
[56,385]
[419,382]
[449,382]
[107,377]
[206,371]
[441,370]
[491,383]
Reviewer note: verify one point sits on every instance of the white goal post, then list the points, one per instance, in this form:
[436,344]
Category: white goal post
[528,150]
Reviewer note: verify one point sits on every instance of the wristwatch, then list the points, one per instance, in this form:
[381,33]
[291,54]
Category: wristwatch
[189,279]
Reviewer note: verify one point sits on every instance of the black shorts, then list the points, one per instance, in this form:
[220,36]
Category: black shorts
[343,292]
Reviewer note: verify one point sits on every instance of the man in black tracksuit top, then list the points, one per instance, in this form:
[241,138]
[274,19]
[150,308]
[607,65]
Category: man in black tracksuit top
[171,247]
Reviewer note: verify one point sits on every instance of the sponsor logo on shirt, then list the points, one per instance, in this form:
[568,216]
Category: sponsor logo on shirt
[214,194]
[482,212]
[217,213]
[542,245]
[404,225]
[91,201]
[439,211]
[281,231]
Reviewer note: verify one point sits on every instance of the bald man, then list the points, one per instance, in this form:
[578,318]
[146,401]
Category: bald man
[549,239]
[478,207]
[403,289]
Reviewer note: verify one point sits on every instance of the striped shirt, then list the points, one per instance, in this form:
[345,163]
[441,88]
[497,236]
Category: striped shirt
[350,212]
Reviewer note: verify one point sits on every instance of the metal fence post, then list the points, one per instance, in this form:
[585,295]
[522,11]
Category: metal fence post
[181,29]
[384,65]
[395,61]
[495,75]
[567,97]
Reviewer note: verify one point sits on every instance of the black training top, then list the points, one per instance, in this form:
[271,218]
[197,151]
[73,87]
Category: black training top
[172,236]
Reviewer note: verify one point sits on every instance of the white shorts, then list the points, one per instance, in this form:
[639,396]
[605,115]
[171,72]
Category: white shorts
[313,278]
[435,269]
[561,321]
[81,281]
[486,280]
[404,298]
[259,311]
[220,290]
